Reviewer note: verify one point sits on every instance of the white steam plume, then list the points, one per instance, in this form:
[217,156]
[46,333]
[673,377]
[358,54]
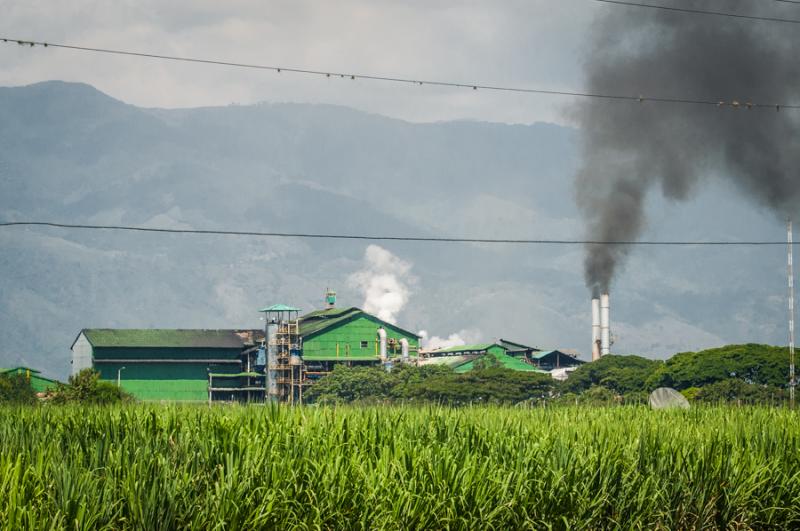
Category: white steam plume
[453,340]
[384,282]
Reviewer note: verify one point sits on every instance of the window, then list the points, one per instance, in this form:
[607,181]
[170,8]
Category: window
[364,344]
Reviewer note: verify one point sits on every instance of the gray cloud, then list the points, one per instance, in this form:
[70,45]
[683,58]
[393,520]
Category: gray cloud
[518,43]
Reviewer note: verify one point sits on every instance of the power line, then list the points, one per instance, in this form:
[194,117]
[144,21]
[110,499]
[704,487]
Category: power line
[409,81]
[391,238]
[701,11]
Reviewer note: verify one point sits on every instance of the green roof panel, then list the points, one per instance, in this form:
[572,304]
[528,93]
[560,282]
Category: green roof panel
[508,362]
[163,338]
[480,347]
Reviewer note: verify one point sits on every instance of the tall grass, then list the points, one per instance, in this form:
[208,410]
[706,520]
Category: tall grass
[169,467]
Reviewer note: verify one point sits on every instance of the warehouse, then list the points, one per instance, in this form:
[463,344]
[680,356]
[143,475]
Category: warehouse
[170,364]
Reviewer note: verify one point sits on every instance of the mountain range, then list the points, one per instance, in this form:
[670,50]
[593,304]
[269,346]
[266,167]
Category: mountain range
[71,154]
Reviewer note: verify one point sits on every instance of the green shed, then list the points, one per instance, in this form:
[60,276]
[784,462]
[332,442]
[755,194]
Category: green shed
[39,383]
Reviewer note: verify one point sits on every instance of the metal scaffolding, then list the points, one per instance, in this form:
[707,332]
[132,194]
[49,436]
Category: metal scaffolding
[285,363]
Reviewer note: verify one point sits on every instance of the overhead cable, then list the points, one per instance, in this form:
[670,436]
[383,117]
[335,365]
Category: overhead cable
[701,11]
[332,236]
[640,98]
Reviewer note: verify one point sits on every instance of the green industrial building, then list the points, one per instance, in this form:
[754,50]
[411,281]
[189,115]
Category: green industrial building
[39,383]
[510,355]
[168,364]
[350,336]
[231,365]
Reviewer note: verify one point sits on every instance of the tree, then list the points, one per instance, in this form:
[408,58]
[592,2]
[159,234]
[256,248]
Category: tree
[753,364]
[350,384]
[735,390]
[86,387]
[621,374]
[429,384]
[16,389]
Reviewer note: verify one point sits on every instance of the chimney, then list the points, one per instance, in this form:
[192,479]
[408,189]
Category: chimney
[595,329]
[605,324]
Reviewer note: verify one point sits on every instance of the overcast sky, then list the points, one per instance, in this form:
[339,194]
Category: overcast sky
[525,43]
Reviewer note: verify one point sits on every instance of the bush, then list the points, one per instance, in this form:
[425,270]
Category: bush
[86,387]
[16,389]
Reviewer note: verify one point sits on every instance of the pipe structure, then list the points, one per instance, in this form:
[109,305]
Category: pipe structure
[595,329]
[272,360]
[605,325]
[404,348]
[382,342]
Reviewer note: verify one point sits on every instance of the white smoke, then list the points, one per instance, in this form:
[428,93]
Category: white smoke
[457,339]
[384,282]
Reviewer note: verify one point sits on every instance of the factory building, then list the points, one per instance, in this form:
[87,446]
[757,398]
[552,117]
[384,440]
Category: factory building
[510,355]
[171,364]
[278,362]
[302,349]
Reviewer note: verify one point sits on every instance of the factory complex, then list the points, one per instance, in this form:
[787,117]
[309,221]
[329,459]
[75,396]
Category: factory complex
[278,362]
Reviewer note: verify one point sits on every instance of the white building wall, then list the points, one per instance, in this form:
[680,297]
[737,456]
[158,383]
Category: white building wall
[81,354]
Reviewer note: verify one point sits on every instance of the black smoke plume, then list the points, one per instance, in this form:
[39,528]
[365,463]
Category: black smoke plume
[630,147]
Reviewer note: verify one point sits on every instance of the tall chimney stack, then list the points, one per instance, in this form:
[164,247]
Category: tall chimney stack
[605,324]
[595,329]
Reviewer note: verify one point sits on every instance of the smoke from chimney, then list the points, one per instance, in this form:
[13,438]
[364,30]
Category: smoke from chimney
[629,148]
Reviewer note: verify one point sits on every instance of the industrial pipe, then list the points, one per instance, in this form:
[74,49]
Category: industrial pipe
[605,325]
[404,348]
[595,329]
[382,342]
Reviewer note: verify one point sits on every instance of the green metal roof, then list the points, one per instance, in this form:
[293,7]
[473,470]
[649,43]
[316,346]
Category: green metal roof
[279,308]
[508,362]
[33,371]
[511,345]
[480,347]
[163,338]
[315,322]
[544,354]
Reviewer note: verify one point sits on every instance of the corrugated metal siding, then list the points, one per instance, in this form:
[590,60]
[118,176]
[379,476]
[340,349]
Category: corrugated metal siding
[110,353]
[162,371]
[171,390]
[349,337]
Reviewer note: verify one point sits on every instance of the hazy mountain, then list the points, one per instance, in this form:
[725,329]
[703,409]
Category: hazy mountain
[70,153]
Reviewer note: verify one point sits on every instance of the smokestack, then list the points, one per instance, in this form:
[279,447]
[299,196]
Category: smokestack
[595,329]
[605,323]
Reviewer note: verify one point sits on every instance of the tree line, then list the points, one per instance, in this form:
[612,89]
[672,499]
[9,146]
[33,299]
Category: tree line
[747,374]
[743,374]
